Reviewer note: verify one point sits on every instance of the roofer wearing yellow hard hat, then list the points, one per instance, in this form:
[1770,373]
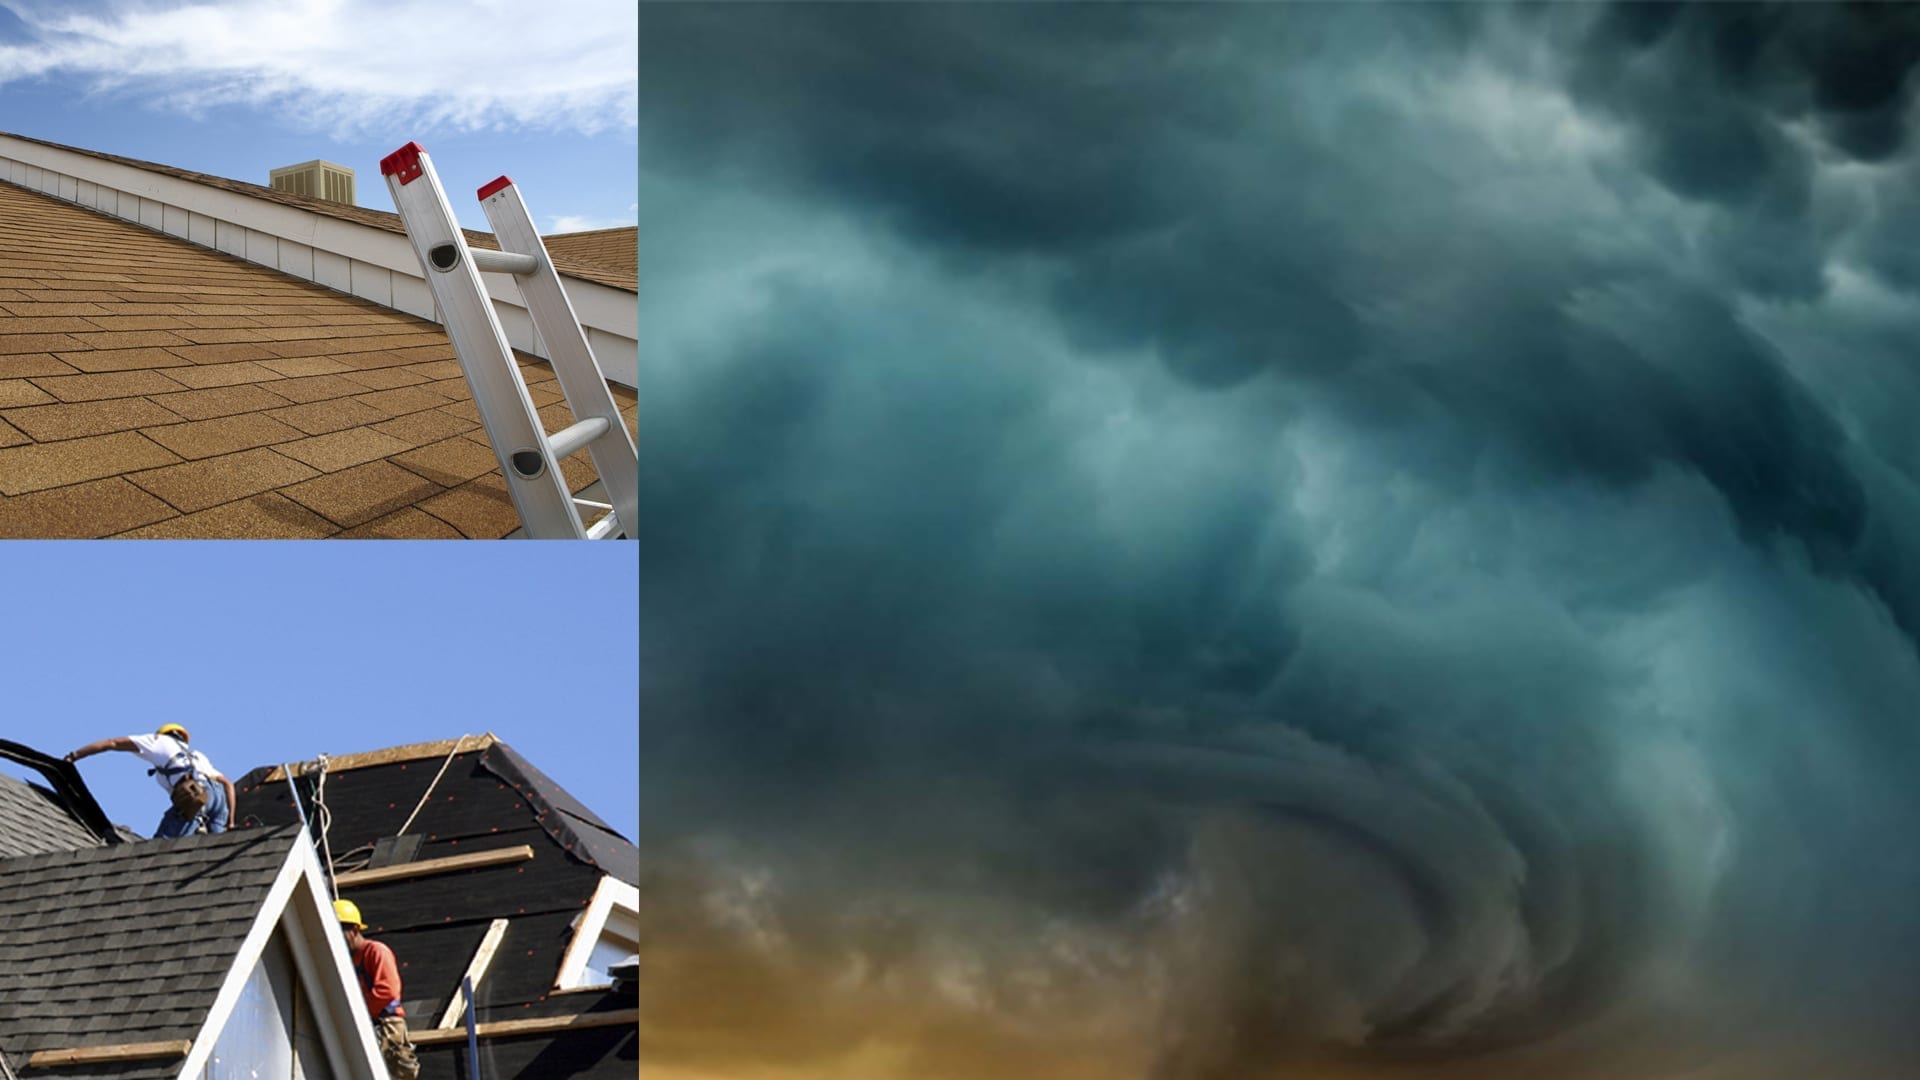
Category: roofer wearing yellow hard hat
[379,976]
[201,794]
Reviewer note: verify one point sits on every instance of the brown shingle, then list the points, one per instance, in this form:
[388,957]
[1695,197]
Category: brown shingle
[126,339]
[387,378]
[317,388]
[421,428]
[450,462]
[220,401]
[224,435]
[198,485]
[481,509]
[32,468]
[332,414]
[222,354]
[16,392]
[27,365]
[83,511]
[404,400]
[305,365]
[118,384]
[36,343]
[362,493]
[50,423]
[223,375]
[343,449]
[407,524]
[262,517]
[122,359]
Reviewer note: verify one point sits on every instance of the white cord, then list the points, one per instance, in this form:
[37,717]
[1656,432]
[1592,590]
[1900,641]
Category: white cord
[457,744]
[326,823]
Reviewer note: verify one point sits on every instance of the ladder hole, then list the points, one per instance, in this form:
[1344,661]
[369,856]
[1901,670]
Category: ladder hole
[528,463]
[443,256]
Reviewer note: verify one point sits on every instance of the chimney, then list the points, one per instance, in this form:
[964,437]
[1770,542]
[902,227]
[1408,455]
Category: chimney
[320,179]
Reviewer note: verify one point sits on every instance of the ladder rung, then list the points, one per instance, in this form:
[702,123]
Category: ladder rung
[569,439]
[603,528]
[503,262]
[578,501]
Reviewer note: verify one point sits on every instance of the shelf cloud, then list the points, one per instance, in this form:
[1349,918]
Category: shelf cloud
[1200,542]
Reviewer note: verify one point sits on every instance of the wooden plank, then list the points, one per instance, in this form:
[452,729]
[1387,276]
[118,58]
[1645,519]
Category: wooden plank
[435,866]
[482,956]
[83,1055]
[409,752]
[506,1029]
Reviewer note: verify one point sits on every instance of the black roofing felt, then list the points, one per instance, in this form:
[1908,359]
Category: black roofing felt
[126,943]
[578,829]
[33,820]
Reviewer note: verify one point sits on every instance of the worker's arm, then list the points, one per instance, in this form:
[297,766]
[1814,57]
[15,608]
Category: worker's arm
[120,742]
[233,804]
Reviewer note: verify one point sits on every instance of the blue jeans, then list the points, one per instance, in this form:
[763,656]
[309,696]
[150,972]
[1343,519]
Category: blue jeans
[214,814]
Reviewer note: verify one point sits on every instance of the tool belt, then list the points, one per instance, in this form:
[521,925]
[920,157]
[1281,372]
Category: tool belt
[189,792]
[189,797]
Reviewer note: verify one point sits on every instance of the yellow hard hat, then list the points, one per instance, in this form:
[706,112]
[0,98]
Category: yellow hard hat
[173,729]
[349,914]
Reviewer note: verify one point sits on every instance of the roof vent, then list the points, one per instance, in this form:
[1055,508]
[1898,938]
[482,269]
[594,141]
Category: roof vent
[320,179]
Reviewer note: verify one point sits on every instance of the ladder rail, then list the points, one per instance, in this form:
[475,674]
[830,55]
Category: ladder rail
[598,427]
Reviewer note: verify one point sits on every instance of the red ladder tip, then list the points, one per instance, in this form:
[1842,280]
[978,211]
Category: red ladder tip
[496,185]
[404,163]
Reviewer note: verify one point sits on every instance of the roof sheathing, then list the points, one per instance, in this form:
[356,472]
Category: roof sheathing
[151,387]
[126,944]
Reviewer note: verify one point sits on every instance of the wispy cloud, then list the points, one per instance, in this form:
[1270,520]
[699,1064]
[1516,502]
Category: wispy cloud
[566,223]
[348,66]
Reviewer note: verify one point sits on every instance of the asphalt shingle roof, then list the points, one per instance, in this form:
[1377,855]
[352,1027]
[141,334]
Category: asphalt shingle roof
[32,820]
[150,387]
[615,249]
[126,944]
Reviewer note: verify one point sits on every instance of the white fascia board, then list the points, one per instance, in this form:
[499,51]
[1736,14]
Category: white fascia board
[299,879]
[320,952]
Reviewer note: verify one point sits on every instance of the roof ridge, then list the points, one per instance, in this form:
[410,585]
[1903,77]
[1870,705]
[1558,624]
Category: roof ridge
[386,755]
[384,220]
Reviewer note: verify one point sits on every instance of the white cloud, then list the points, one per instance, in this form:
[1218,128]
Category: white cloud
[352,66]
[566,223]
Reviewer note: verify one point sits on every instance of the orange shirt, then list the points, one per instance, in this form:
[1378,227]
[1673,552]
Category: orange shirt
[379,978]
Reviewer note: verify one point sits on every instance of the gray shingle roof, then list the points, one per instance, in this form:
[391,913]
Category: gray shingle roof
[125,944]
[32,820]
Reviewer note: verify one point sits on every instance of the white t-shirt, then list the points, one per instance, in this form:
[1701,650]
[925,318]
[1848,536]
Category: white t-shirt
[161,751]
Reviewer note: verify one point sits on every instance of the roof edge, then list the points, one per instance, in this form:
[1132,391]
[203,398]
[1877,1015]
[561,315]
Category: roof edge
[369,758]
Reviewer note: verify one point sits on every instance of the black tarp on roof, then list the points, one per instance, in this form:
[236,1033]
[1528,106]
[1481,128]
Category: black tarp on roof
[578,829]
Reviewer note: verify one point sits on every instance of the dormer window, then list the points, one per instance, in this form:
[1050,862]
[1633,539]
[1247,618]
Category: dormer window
[606,934]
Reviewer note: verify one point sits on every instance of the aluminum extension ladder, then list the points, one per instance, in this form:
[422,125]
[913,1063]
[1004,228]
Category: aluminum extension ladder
[529,456]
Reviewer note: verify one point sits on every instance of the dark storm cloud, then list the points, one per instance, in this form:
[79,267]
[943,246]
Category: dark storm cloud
[1227,538]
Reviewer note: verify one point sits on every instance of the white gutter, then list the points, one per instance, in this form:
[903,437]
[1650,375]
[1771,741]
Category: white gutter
[346,256]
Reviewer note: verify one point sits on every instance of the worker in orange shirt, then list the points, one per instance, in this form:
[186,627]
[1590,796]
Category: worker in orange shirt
[379,976]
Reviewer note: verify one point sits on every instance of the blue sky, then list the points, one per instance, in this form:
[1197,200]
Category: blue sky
[545,93]
[273,652]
